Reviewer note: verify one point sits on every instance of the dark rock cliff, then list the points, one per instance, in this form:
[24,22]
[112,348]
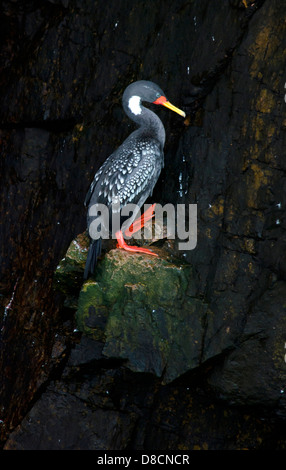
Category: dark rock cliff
[64,66]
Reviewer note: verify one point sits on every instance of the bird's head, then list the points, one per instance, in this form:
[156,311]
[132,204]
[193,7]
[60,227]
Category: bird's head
[144,90]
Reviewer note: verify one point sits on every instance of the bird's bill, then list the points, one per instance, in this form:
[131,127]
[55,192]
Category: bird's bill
[174,108]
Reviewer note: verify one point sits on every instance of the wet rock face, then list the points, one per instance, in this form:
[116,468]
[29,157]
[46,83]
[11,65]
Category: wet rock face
[97,405]
[65,65]
[254,373]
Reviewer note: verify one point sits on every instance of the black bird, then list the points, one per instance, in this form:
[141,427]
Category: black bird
[129,174]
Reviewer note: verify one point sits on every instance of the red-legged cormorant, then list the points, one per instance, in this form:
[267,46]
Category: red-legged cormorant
[129,174]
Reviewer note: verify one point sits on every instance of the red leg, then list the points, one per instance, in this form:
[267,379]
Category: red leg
[141,221]
[137,249]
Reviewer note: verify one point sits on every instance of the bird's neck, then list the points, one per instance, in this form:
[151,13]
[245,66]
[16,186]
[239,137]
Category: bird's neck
[147,120]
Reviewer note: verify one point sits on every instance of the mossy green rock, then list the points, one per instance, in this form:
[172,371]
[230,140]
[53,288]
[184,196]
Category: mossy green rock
[139,307]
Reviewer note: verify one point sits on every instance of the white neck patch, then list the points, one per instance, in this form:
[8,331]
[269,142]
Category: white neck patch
[134,105]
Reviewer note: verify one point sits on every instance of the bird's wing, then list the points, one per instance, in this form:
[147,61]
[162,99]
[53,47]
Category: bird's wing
[141,180]
[127,176]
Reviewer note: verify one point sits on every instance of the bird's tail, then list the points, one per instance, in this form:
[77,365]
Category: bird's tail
[92,255]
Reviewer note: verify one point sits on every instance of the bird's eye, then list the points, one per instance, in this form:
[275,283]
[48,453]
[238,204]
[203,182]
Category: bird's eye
[158,95]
